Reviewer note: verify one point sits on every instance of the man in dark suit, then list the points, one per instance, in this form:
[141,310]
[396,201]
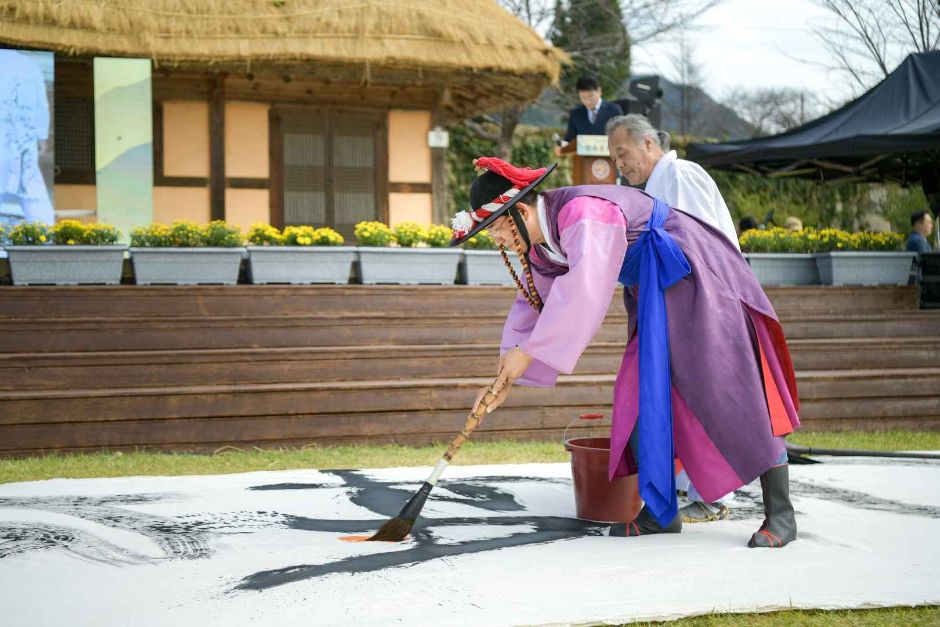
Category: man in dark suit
[590,117]
[921,226]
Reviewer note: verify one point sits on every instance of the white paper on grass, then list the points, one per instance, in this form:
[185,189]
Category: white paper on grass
[869,534]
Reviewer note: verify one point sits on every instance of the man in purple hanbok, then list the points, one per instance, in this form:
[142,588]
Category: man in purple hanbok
[706,376]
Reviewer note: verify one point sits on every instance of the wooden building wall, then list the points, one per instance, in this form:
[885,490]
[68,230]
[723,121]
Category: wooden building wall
[409,167]
[215,156]
[181,135]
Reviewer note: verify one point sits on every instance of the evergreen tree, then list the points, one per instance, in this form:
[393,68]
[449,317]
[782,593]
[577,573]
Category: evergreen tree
[593,33]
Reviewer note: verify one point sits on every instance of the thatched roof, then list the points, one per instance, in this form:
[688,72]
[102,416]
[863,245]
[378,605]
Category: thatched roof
[488,57]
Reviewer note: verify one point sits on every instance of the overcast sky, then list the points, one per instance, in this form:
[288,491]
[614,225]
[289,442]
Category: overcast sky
[754,43]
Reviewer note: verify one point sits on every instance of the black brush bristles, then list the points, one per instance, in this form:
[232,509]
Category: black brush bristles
[394,530]
[398,528]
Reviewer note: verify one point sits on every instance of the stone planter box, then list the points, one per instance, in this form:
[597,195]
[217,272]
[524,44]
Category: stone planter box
[300,265]
[864,268]
[186,266]
[486,267]
[408,266]
[66,265]
[784,268]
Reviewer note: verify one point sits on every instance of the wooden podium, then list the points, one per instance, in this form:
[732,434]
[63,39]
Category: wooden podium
[591,163]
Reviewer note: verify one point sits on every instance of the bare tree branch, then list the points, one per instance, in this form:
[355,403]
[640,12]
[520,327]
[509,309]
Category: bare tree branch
[774,110]
[649,19]
[645,19]
[873,36]
[482,131]
[689,82]
[536,13]
[918,19]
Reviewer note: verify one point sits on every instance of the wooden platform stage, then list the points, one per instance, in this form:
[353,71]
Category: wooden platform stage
[199,368]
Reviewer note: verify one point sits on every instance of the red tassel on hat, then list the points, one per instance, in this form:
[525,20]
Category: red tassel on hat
[520,177]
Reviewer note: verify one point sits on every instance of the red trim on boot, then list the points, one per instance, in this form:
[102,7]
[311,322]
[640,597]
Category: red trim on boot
[771,538]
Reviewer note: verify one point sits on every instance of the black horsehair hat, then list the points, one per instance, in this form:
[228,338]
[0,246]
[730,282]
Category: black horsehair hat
[493,193]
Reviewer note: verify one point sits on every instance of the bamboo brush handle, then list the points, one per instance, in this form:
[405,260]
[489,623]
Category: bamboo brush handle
[473,421]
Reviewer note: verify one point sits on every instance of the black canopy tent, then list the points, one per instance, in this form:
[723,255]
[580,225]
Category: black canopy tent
[891,133]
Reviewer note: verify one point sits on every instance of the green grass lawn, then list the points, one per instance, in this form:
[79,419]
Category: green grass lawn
[230,460]
[887,617]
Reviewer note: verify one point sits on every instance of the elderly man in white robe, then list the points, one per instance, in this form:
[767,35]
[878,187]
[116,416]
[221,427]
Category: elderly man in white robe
[640,153]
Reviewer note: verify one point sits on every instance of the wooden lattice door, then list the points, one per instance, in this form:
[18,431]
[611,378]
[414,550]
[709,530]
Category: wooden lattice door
[332,169]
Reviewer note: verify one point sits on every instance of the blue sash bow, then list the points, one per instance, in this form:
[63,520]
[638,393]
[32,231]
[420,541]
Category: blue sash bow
[654,263]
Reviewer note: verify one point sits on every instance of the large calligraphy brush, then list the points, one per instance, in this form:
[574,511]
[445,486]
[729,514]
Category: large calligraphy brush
[396,529]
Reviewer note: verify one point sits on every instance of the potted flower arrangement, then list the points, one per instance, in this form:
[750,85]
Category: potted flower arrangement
[781,257]
[298,255]
[67,253]
[862,258]
[484,265]
[421,255]
[185,253]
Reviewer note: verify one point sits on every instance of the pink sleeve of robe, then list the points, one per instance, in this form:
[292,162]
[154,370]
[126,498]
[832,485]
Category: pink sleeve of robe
[593,236]
[519,325]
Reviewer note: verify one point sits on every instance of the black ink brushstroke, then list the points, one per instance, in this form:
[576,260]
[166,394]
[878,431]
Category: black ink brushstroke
[546,529]
[189,536]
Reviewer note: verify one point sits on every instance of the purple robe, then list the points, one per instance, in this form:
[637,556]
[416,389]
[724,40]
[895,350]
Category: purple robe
[733,385]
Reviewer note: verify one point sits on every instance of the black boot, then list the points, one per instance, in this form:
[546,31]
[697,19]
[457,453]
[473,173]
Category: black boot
[643,525]
[779,528]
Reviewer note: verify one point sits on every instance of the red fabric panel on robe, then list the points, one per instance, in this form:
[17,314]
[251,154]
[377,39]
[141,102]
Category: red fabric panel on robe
[773,328]
[779,418]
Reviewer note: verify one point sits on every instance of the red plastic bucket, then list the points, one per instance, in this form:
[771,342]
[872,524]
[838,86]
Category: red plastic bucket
[596,498]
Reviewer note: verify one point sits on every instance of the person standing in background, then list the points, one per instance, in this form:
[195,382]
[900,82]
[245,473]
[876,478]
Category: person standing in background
[793,224]
[921,226]
[592,115]
[637,150]
[24,133]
